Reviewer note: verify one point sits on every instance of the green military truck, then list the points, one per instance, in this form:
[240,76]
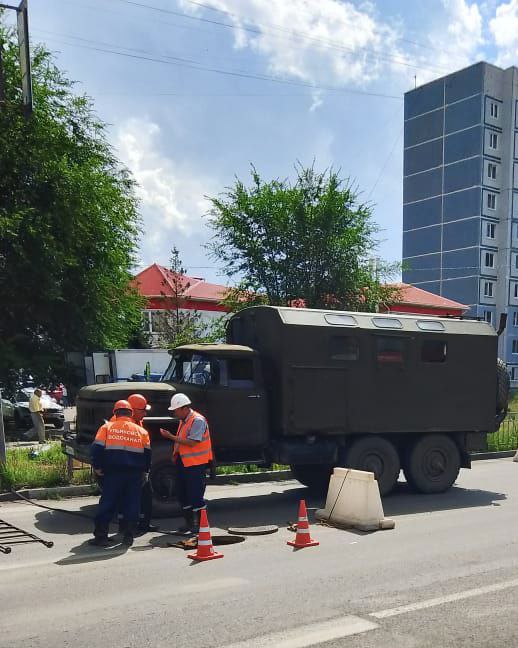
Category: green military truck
[316,389]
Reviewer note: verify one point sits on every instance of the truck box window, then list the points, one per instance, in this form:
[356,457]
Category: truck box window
[339,319]
[344,348]
[387,322]
[433,351]
[390,350]
[430,325]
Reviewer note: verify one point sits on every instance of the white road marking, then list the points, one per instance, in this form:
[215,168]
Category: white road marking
[310,635]
[441,600]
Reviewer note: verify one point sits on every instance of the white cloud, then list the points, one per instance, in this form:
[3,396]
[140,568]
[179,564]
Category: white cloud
[504,29]
[328,42]
[172,197]
[455,42]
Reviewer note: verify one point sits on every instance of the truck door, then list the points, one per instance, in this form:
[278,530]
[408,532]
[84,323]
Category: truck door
[237,409]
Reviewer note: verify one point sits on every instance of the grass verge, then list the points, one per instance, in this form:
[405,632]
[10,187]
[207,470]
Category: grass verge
[26,468]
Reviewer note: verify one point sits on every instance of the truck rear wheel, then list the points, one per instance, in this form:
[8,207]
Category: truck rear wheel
[377,455]
[162,479]
[314,476]
[433,464]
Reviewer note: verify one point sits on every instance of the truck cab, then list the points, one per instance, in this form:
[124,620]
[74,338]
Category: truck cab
[225,384]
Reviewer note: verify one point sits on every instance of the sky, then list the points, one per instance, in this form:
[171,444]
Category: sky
[194,92]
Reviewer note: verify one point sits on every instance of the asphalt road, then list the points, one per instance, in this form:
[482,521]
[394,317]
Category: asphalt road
[447,575]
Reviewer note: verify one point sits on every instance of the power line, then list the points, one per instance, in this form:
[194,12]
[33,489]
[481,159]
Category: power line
[194,65]
[328,43]
[385,164]
[342,22]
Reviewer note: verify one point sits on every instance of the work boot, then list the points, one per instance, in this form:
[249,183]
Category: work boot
[189,521]
[128,539]
[195,527]
[101,541]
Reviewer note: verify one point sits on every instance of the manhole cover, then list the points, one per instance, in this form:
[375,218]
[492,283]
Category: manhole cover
[258,530]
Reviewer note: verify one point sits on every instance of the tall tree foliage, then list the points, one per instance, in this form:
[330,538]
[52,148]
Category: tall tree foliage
[308,241]
[178,324]
[68,226]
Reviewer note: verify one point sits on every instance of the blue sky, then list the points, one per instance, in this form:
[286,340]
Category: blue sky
[177,80]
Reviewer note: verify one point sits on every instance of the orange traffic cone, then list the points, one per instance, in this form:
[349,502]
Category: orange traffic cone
[303,538]
[205,550]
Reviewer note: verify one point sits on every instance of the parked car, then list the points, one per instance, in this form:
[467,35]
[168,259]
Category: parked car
[56,392]
[52,411]
[8,410]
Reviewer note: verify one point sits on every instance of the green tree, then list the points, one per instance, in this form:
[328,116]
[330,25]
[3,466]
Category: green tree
[306,241]
[177,324]
[69,226]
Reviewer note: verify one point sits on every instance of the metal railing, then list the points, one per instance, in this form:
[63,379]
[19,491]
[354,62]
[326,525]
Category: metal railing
[507,436]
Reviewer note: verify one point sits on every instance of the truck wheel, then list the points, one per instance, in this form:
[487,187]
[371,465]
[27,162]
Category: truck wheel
[162,479]
[314,476]
[433,464]
[377,455]
[502,390]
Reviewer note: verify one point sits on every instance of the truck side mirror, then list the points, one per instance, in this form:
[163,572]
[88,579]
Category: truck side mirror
[503,323]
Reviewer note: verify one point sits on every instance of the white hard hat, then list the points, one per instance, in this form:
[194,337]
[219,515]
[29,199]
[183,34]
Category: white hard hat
[179,400]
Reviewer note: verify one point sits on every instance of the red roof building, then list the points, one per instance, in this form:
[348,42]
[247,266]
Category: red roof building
[414,300]
[158,285]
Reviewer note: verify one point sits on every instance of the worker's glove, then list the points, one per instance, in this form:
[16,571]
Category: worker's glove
[145,478]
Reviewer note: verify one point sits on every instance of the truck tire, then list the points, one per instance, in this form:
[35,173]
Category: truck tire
[503,384]
[314,476]
[162,480]
[433,464]
[378,455]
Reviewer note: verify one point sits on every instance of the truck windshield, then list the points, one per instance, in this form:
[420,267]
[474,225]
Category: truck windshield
[194,369]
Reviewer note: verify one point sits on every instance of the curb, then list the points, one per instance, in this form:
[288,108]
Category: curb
[232,478]
[51,493]
[91,489]
[492,455]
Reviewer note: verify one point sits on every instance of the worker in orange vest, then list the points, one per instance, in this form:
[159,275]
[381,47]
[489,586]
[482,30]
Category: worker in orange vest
[121,454]
[140,407]
[192,453]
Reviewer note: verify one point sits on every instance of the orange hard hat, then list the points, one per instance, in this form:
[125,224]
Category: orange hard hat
[122,405]
[138,402]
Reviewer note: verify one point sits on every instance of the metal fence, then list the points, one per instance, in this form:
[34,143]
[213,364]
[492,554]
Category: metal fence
[507,436]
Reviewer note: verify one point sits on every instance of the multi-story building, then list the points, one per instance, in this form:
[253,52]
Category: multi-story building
[460,194]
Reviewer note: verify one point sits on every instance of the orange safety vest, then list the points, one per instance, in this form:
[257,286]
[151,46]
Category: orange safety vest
[196,455]
[123,434]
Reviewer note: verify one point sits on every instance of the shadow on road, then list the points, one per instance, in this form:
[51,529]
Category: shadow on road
[86,553]
[281,507]
[404,502]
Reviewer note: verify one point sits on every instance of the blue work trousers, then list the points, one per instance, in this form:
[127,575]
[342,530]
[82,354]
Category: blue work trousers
[190,485]
[121,493]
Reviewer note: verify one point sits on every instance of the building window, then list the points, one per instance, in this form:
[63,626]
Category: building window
[515,318]
[493,109]
[488,288]
[490,260]
[515,291]
[493,140]
[515,346]
[514,373]
[516,262]
[491,201]
[488,316]
[491,171]
[490,230]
